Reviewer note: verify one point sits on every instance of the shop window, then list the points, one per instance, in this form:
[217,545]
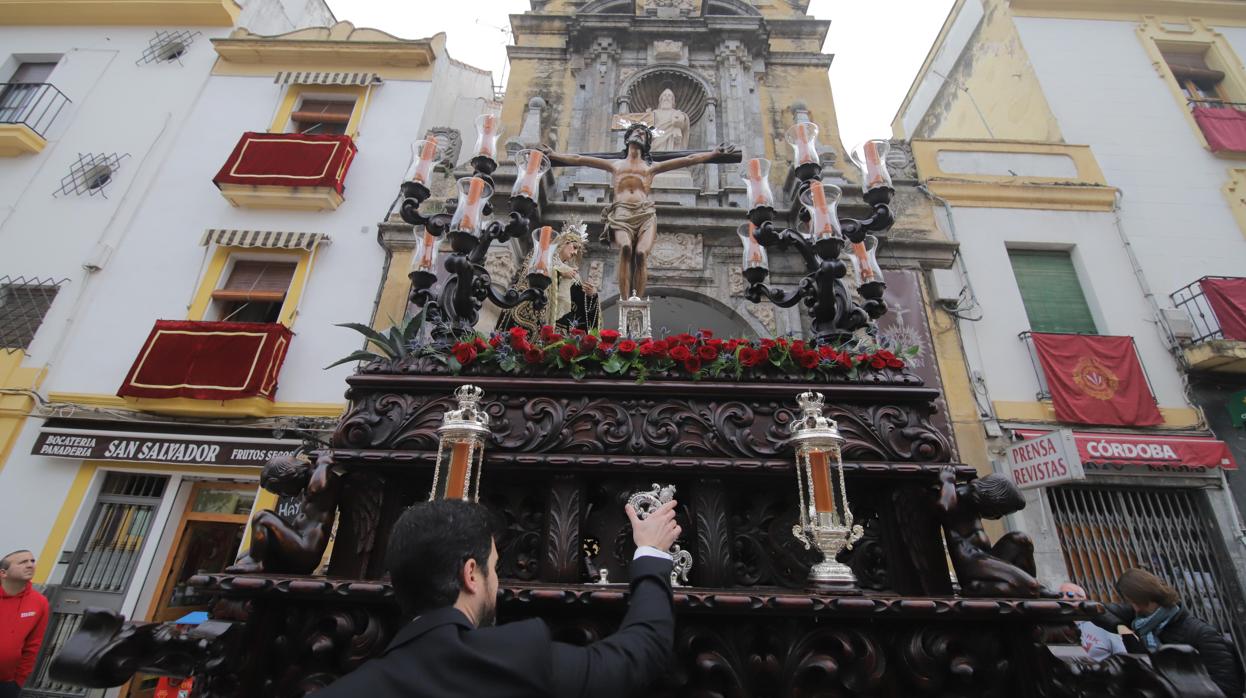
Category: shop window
[254,291]
[316,116]
[1051,292]
[1201,84]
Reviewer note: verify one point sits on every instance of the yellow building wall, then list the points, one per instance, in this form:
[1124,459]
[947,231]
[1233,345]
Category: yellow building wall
[993,92]
[15,404]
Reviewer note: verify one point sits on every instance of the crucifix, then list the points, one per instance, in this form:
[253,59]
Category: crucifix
[631,219]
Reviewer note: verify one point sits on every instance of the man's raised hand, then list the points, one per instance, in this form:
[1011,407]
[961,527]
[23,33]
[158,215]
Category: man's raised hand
[658,530]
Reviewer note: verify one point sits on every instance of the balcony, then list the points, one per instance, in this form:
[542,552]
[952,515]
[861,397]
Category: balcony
[208,368]
[1223,124]
[287,171]
[27,110]
[1216,308]
[1091,379]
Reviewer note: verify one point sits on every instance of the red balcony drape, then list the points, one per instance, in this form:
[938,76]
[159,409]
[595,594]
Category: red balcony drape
[1223,127]
[1096,380]
[208,361]
[1227,298]
[288,160]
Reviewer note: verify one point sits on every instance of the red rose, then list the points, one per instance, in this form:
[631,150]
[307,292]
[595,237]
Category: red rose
[680,353]
[692,364]
[782,341]
[518,333]
[750,357]
[685,338]
[464,352]
[716,343]
[810,359]
[764,353]
[885,355]
[521,344]
[844,360]
[627,346]
[577,332]
[862,358]
[547,332]
[568,352]
[798,346]
[588,343]
[647,348]
[826,352]
[706,334]
[707,353]
[480,344]
[878,363]
[533,355]
[895,363]
[732,344]
[610,336]
[767,343]
[661,345]
[495,341]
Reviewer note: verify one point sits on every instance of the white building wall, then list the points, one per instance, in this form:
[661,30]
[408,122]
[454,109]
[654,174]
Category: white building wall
[1111,289]
[1106,93]
[157,273]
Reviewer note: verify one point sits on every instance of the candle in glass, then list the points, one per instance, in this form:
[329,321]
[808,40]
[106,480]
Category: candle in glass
[822,200]
[532,166]
[869,157]
[424,154]
[487,133]
[757,183]
[820,476]
[803,138]
[456,476]
[474,192]
[864,260]
[755,256]
[425,253]
[542,251]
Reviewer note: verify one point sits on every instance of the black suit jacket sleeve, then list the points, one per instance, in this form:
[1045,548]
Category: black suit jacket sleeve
[1116,614]
[631,659]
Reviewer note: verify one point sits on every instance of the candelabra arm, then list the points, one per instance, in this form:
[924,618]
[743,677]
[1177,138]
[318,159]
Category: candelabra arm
[768,237]
[784,299]
[512,297]
[855,230]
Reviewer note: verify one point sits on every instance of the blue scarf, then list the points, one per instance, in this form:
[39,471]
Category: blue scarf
[1149,627]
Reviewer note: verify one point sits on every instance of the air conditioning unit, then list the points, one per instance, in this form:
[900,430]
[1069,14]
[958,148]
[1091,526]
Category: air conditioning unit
[1179,324]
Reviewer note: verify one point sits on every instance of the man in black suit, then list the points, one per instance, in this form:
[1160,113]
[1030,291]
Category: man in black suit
[443,563]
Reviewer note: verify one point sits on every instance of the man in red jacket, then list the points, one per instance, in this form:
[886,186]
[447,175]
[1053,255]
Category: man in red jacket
[23,618]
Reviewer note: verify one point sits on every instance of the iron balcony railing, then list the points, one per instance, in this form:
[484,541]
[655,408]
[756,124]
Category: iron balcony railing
[1193,301]
[1044,392]
[33,104]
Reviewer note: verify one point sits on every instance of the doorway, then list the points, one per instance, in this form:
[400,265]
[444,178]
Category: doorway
[208,537]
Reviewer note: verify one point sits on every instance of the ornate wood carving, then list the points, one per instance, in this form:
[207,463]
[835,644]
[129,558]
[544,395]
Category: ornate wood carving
[712,566]
[562,559]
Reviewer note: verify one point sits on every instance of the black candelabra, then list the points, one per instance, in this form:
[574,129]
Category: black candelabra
[454,308]
[823,240]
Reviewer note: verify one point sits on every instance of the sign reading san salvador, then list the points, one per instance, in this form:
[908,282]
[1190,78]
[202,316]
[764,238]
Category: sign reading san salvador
[1045,460]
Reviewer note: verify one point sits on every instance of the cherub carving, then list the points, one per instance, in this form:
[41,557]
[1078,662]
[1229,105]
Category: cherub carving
[293,546]
[1005,569]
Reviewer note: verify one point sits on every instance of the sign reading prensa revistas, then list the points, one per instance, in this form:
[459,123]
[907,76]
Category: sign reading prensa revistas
[1045,460]
[150,449]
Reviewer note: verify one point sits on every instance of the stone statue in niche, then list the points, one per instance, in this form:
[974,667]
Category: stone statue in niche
[1004,569]
[631,219]
[670,125]
[293,544]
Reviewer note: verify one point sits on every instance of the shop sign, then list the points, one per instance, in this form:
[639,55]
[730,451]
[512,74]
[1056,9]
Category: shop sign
[1045,460]
[1147,454]
[151,449]
[1237,408]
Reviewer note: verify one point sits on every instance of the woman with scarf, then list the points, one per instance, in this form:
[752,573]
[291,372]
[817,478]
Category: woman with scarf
[1154,614]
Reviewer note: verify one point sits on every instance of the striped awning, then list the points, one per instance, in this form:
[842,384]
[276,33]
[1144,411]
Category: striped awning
[288,77]
[270,239]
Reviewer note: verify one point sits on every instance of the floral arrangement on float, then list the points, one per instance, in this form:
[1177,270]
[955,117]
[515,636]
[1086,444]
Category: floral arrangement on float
[702,355]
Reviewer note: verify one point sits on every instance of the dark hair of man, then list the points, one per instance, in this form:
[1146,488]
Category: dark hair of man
[996,495]
[1141,587]
[7,560]
[428,547]
[644,151]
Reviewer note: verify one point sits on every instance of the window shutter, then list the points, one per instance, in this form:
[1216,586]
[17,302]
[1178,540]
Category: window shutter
[1053,296]
[323,111]
[257,280]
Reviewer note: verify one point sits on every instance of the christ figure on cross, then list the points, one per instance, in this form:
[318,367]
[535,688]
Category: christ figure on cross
[631,219]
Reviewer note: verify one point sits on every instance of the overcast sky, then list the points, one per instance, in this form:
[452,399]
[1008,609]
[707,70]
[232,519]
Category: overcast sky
[878,44]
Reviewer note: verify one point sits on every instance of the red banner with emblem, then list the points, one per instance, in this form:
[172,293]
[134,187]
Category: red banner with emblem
[1096,380]
[1227,298]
